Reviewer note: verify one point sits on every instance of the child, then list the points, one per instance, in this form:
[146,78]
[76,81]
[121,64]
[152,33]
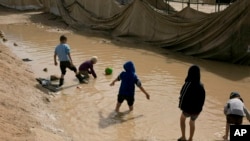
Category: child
[234,111]
[87,68]
[127,88]
[191,101]
[63,52]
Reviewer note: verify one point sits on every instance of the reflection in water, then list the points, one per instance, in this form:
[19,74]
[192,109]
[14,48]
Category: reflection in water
[86,109]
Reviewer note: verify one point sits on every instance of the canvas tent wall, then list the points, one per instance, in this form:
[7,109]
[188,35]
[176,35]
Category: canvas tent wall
[223,36]
[50,6]
[22,4]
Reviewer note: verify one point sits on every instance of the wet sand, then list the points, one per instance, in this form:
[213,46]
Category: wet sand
[88,113]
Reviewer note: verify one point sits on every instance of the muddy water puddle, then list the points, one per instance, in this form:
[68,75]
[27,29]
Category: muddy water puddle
[87,110]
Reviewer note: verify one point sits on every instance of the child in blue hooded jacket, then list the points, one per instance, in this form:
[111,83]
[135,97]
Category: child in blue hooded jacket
[127,88]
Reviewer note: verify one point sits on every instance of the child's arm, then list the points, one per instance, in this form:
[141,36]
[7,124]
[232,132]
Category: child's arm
[138,84]
[247,113]
[92,71]
[55,62]
[144,91]
[113,82]
[226,108]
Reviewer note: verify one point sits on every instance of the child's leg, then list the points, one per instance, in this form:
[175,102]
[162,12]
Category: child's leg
[62,76]
[118,105]
[120,99]
[130,102]
[72,68]
[192,129]
[85,74]
[61,81]
[63,72]
[192,126]
[63,69]
[225,137]
[131,108]
[183,126]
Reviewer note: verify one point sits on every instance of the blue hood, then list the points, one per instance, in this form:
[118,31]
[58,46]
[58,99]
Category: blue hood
[128,80]
[129,67]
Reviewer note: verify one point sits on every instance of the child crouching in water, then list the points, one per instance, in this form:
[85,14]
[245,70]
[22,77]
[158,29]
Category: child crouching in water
[87,68]
[234,111]
[127,88]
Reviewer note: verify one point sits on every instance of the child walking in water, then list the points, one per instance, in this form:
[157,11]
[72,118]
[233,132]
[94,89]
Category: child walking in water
[127,88]
[191,101]
[63,52]
[234,111]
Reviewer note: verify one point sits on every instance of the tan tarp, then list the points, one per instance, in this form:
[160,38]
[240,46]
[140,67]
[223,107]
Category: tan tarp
[50,6]
[22,4]
[223,36]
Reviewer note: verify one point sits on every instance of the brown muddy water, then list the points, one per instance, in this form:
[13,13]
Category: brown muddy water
[87,114]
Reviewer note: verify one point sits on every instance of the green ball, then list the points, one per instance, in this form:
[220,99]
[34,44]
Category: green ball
[108,71]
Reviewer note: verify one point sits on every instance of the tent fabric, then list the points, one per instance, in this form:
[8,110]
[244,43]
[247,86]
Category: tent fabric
[50,6]
[220,36]
[22,4]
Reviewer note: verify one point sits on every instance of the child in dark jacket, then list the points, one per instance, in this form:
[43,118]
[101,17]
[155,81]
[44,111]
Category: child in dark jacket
[191,100]
[127,88]
[87,68]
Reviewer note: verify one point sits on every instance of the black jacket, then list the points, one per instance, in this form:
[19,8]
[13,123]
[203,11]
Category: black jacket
[192,95]
[192,98]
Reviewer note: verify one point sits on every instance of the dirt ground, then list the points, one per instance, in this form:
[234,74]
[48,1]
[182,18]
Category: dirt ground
[26,112]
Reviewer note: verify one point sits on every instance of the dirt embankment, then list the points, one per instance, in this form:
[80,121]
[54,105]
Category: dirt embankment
[26,112]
